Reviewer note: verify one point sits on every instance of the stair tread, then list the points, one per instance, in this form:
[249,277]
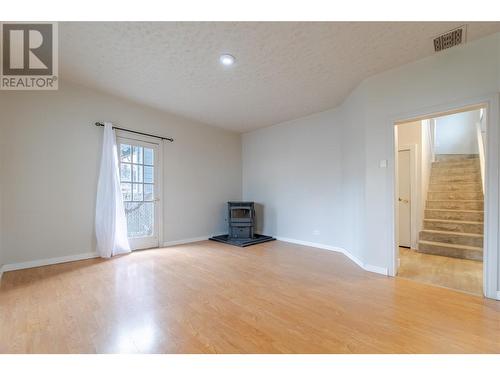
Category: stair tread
[455,183]
[456,160]
[466,234]
[463,174]
[467,171]
[475,175]
[452,209]
[455,164]
[450,245]
[456,192]
[454,200]
[470,162]
[456,221]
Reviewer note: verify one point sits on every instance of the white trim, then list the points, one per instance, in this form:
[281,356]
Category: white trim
[480,146]
[150,242]
[186,240]
[47,262]
[72,258]
[498,295]
[83,256]
[491,198]
[366,267]
[376,269]
[160,175]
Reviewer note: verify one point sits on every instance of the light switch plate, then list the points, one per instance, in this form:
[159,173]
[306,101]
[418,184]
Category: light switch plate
[383,163]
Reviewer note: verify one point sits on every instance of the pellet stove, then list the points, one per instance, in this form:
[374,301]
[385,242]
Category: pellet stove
[241,225]
[241,219]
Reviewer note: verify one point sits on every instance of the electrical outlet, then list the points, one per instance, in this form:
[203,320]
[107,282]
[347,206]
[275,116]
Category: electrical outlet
[316,232]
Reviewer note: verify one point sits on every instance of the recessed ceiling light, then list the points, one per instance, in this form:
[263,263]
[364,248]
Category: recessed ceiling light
[226,59]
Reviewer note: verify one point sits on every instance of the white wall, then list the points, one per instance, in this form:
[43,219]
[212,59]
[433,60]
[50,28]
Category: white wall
[296,174]
[50,155]
[456,133]
[360,201]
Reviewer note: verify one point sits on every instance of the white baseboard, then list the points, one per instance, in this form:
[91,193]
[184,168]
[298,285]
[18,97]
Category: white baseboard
[184,241]
[72,258]
[366,267]
[498,295]
[46,262]
[376,269]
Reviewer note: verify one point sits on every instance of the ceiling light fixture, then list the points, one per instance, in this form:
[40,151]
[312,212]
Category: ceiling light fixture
[226,59]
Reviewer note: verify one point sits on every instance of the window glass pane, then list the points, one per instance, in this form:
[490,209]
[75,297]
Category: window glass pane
[137,158]
[125,153]
[126,191]
[125,173]
[148,192]
[140,219]
[137,173]
[137,192]
[148,174]
[148,156]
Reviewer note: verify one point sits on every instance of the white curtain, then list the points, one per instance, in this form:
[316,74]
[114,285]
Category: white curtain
[110,221]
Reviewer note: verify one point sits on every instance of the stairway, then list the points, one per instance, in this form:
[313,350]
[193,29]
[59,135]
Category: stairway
[453,219]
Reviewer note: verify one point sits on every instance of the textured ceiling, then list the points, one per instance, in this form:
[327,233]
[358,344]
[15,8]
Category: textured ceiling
[284,70]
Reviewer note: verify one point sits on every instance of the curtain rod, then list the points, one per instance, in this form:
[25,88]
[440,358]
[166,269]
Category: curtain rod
[136,132]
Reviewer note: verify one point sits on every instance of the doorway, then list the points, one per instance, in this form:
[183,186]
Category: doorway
[140,166]
[444,245]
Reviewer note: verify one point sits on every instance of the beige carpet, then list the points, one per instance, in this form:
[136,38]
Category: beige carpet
[461,274]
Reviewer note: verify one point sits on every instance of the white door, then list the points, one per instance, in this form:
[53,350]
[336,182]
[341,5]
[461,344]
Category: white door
[140,185]
[404,198]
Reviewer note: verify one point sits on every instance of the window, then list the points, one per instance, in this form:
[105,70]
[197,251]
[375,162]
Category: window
[137,176]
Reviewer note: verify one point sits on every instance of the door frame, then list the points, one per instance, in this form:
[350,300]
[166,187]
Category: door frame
[158,174]
[491,250]
[414,192]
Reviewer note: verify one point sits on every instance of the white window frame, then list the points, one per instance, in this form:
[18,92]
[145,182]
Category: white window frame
[145,141]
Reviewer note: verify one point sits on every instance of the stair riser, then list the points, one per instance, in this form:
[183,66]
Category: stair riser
[456,157]
[438,172]
[456,164]
[456,205]
[473,177]
[454,227]
[455,239]
[451,252]
[454,215]
[468,186]
[462,195]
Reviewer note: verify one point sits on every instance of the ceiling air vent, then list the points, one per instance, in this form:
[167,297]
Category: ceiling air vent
[450,39]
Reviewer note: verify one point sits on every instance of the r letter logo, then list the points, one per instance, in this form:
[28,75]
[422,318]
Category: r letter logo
[28,56]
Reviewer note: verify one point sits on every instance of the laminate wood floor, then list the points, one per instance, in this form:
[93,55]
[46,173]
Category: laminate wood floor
[461,274]
[209,297]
